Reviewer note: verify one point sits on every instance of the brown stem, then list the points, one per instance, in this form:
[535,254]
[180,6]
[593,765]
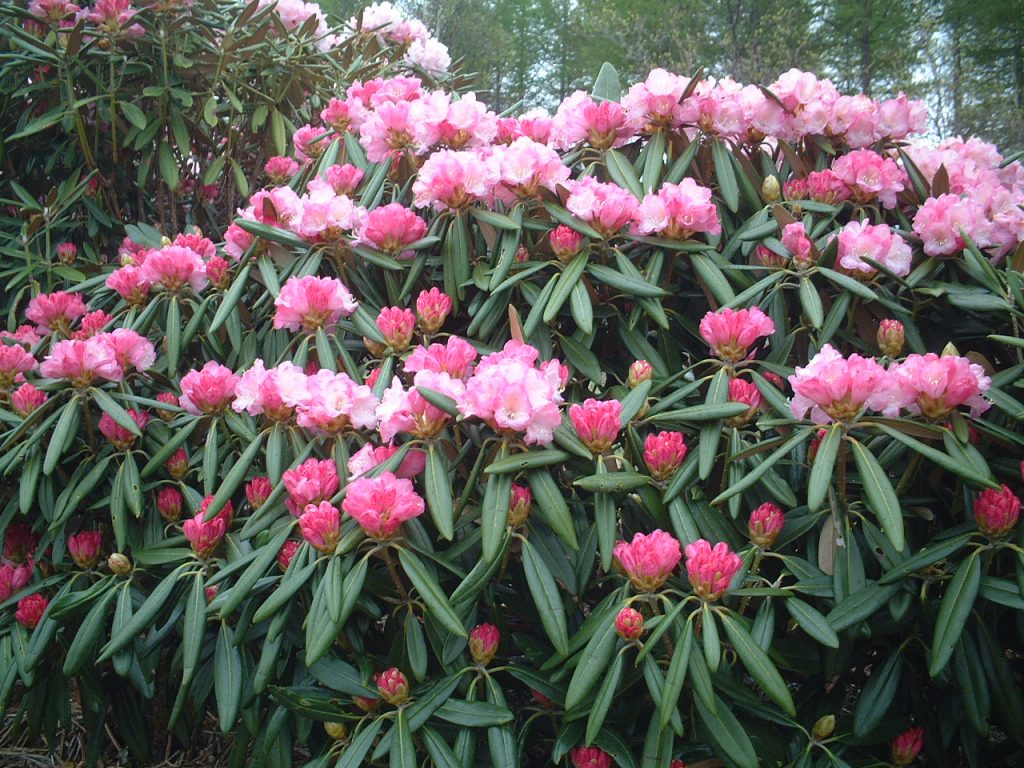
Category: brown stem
[393,570]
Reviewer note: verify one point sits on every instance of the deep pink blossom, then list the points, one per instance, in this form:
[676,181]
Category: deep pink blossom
[381,504]
[483,643]
[81,362]
[173,267]
[27,398]
[396,325]
[204,535]
[731,332]
[55,311]
[15,361]
[997,511]
[765,524]
[84,548]
[30,610]
[649,559]
[321,526]
[121,437]
[711,569]
[934,385]
[390,228]
[432,309]
[311,482]
[210,389]
[597,422]
[312,302]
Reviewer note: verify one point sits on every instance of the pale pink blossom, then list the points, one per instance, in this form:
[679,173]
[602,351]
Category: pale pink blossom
[430,55]
[859,240]
[387,131]
[404,410]
[934,385]
[869,175]
[579,118]
[649,559]
[381,504]
[606,207]
[940,222]
[655,103]
[312,302]
[369,456]
[344,179]
[333,402]
[274,392]
[678,212]
[513,395]
[15,361]
[391,228]
[450,180]
[130,349]
[711,569]
[833,388]
[796,241]
[461,124]
[208,390]
[310,142]
[526,167]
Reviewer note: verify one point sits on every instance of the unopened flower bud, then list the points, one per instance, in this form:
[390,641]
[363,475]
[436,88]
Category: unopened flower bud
[366,703]
[84,548]
[432,309]
[996,511]
[824,727]
[286,553]
[483,643]
[565,242]
[169,502]
[177,465]
[257,491]
[119,564]
[950,350]
[522,254]
[211,592]
[890,337]
[396,325]
[393,686]
[770,190]
[639,372]
[67,253]
[629,624]
[765,524]
[168,398]
[374,348]
[907,746]
[519,505]
[337,731]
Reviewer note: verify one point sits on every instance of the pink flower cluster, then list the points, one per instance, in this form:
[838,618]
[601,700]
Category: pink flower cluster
[381,504]
[678,211]
[711,569]
[597,423]
[833,388]
[731,332]
[108,356]
[869,175]
[312,482]
[606,207]
[859,240]
[311,303]
[649,559]
[513,394]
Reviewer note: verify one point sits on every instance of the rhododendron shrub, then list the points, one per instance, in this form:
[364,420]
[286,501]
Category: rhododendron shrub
[680,426]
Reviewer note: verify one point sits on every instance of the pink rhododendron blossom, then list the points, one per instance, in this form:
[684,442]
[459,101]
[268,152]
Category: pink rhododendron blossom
[210,389]
[169,503]
[396,325]
[430,55]
[333,402]
[940,222]
[114,17]
[344,179]
[934,385]
[746,392]
[174,267]
[590,757]
[455,357]
[92,323]
[130,349]
[14,578]
[406,410]
[629,624]
[565,242]
[859,240]
[258,490]
[649,559]
[890,337]
[678,212]
[765,524]
[369,456]
[387,131]
[512,395]
[321,526]
[711,569]
[451,180]
[311,482]
[997,511]
[525,167]
[15,361]
[84,548]
[121,437]
[796,241]
[869,175]
[26,335]
[27,398]
[655,103]
[55,311]
[286,553]
[483,643]
[54,11]
[280,169]
[390,228]
[81,362]
[310,142]
[236,242]
[731,332]
[432,309]
[579,118]
[606,207]
[833,388]
[381,504]
[393,686]
[826,187]
[312,302]
[31,609]
[204,535]
[597,423]
[274,392]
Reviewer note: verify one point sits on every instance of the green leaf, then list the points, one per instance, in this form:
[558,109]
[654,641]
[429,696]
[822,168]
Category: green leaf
[227,678]
[403,751]
[606,87]
[566,282]
[629,285]
[133,114]
[621,171]
[711,275]
[757,663]
[194,630]
[593,661]
[352,756]
[67,426]
[234,477]
[473,714]
[168,165]
[439,491]
[520,462]
[880,495]
[676,675]
[938,457]
[751,477]
[812,622]
[810,301]
[552,507]
[142,619]
[292,582]
[611,482]
[431,592]
[242,588]
[726,175]
[876,696]
[603,700]
[494,511]
[954,611]
[851,284]
[822,470]
[727,734]
[859,606]
[927,556]
[82,647]
[547,598]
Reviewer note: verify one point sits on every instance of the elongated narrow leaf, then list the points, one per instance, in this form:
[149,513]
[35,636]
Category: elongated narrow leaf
[234,478]
[954,611]
[593,662]
[439,492]
[881,497]
[876,695]
[552,507]
[603,699]
[812,622]
[431,592]
[676,676]
[822,469]
[547,597]
[227,678]
[758,664]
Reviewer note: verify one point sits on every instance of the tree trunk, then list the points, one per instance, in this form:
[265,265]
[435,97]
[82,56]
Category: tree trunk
[865,48]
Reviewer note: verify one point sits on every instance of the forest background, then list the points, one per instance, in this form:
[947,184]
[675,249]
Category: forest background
[964,57]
